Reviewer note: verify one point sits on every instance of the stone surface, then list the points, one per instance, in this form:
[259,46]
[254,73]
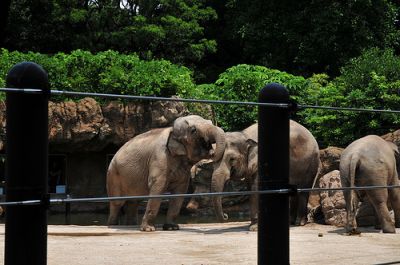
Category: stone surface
[330,159]
[211,244]
[86,125]
[333,204]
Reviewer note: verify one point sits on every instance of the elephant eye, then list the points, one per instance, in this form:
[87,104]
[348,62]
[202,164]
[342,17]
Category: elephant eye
[193,130]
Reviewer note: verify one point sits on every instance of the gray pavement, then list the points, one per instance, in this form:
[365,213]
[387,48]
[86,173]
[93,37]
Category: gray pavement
[228,243]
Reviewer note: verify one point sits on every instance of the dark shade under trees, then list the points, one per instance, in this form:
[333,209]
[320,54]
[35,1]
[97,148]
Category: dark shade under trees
[301,37]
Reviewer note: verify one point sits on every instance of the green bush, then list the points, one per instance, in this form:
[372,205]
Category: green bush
[243,83]
[105,72]
[370,81]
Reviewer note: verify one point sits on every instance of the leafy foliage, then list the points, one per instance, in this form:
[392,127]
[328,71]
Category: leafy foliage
[243,83]
[171,29]
[106,72]
[370,81]
[309,37]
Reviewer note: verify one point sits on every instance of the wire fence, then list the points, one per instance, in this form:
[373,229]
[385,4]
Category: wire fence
[225,102]
[169,196]
[274,224]
[292,190]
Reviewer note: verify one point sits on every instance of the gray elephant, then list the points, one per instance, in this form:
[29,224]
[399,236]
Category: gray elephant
[240,161]
[371,161]
[159,161]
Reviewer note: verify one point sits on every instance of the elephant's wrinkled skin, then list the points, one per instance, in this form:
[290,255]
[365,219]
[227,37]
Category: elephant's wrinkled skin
[159,161]
[240,161]
[371,161]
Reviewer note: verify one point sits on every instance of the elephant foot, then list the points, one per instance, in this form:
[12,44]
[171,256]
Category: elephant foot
[353,232]
[112,222]
[253,227]
[300,221]
[389,229]
[147,228]
[170,227]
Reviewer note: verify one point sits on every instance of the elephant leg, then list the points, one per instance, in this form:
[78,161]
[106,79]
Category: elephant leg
[378,198]
[175,205]
[395,202]
[253,212]
[115,209]
[254,204]
[153,205]
[301,214]
[131,214]
[351,199]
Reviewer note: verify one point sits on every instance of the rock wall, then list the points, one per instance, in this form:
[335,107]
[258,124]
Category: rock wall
[86,125]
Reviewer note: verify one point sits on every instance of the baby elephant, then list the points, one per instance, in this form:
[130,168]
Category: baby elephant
[371,161]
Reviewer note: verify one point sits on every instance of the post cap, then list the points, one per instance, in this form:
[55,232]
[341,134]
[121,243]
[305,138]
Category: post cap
[28,75]
[274,93]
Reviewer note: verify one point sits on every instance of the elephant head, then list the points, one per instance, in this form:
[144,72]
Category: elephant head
[193,137]
[238,161]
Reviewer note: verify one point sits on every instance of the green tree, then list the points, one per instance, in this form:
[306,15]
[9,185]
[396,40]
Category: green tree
[163,29]
[307,37]
[370,81]
[243,83]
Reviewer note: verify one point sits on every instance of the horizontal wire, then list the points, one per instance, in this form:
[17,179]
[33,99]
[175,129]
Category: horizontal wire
[347,188]
[348,109]
[249,103]
[183,195]
[153,98]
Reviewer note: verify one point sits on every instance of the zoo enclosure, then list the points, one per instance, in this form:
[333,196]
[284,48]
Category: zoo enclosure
[27,196]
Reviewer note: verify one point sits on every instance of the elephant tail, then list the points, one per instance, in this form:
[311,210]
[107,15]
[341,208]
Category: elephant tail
[352,195]
[353,166]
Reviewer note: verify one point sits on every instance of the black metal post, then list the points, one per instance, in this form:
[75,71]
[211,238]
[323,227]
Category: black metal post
[273,169]
[26,165]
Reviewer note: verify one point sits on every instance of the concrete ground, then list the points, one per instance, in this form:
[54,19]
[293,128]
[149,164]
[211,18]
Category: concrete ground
[228,243]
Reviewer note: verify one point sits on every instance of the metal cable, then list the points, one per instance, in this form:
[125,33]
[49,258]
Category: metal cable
[153,98]
[249,103]
[347,109]
[185,195]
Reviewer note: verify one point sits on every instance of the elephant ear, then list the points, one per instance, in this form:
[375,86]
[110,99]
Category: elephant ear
[175,147]
[252,155]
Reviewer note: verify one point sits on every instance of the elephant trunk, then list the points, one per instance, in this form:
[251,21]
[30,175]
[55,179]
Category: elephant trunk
[216,135]
[217,185]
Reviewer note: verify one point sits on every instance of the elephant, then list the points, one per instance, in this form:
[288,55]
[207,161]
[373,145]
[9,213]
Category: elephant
[159,161]
[371,161]
[240,160]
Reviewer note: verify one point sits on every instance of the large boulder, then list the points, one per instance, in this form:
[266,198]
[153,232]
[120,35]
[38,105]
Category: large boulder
[333,204]
[330,159]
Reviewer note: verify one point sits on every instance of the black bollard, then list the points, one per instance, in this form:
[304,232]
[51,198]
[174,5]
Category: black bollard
[273,169]
[26,165]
